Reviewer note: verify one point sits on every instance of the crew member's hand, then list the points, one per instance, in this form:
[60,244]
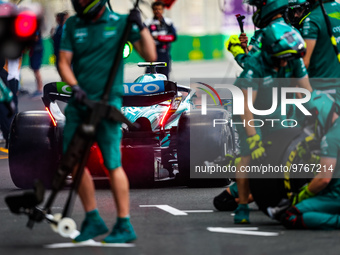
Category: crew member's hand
[314,159]
[78,93]
[232,160]
[135,18]
[304,148]
[257,147]
[11,108]
[244,41]
[304,193]
[234,46]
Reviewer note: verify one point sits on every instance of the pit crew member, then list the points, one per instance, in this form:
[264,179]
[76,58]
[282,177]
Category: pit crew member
[89,44]
[320,60]
[267,12]
[280,57]
[317,205]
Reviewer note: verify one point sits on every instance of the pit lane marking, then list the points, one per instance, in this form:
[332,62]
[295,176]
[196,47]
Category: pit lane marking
[253,231]
[89,243]
[174,211]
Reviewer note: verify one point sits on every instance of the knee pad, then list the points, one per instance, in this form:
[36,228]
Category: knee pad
[225,202]
[292,219]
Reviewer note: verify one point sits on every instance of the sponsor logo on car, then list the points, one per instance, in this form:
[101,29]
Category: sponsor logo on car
[132,89]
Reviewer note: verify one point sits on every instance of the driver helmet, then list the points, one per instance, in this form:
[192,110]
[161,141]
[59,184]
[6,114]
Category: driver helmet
[281,42]
[89,10]
[267,10]
[297,11]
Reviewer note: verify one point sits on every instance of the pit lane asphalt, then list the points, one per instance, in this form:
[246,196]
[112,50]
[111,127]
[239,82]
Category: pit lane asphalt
[159,232]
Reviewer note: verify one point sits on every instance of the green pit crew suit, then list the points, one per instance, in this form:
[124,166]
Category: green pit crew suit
[321,211]
[260,75]
[255,42]
[324,67]
[94,45]
[266,11]
[262,78]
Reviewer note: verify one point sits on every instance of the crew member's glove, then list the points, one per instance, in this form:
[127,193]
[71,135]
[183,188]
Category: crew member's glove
[314,159]
[302,195]
[78,93]
[257,147]
[134,17]
[234,46]
[304,149]
[231,160]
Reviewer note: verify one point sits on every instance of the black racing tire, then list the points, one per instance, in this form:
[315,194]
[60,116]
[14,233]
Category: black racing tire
[34,149]
[210,141]
[269,192]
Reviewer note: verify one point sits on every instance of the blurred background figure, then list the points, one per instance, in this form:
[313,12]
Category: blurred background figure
[61,17]
[164,33]
[36,55]
[10,75]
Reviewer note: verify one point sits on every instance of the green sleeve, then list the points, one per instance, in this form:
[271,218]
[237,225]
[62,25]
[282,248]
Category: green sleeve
[248,78]
[256,40]
[241,59]
[66,39]
[253,40]
[256,44]
[310,29]
[329,146]
[299,68]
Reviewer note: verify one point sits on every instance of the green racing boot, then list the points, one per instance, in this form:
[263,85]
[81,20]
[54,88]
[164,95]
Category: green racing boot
[92,226]
[242,214]
[122,232]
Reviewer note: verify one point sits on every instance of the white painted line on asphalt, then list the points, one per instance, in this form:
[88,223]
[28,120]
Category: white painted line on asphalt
[242,231]
[168,209]
[245,228]
[88,243]
[198,211]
